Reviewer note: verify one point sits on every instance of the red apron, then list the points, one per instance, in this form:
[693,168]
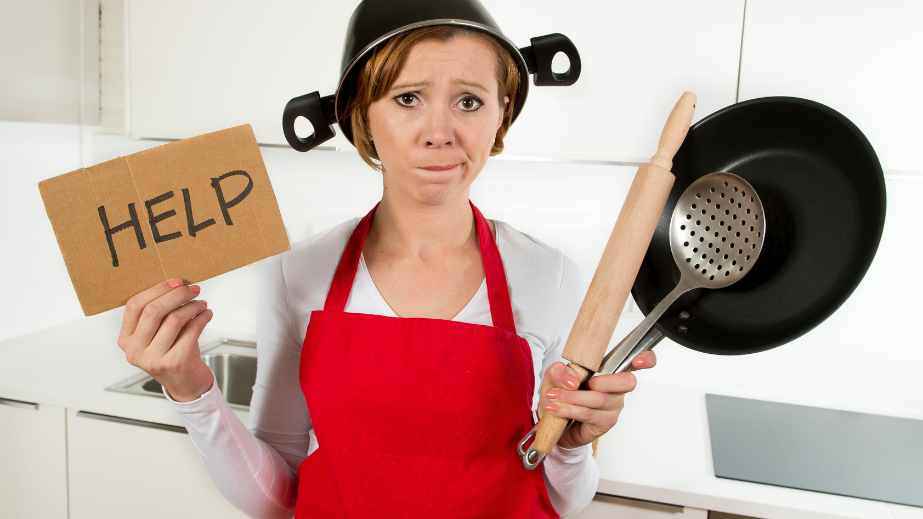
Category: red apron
[417,417]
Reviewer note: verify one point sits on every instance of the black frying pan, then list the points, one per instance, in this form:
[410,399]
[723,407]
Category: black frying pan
[823,191]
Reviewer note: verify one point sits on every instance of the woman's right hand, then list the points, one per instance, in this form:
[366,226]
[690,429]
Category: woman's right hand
[160,334]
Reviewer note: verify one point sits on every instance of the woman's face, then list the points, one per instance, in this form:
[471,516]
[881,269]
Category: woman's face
[442,110]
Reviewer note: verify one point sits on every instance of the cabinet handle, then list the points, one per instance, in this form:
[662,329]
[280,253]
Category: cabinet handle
[654,506]
[132,421]
[18,403]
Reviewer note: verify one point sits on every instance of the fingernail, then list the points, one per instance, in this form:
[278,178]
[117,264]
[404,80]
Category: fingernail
[173,283]
[553,394]
[551,407]
[572,382]
[195,289]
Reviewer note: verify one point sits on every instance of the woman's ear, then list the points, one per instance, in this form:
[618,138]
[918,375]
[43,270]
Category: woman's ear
[506,101]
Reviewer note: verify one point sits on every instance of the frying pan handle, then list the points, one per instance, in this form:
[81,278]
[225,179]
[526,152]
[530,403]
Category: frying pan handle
[316,109]
[539,55]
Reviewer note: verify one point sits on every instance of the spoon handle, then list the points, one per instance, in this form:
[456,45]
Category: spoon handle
[626,350]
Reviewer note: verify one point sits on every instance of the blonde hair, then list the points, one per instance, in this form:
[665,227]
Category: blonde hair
[381,70]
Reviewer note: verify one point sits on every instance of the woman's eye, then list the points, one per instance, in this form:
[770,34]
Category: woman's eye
[475,99]
[404,96]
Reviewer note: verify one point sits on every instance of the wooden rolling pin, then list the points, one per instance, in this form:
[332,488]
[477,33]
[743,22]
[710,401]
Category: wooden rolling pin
[602,305]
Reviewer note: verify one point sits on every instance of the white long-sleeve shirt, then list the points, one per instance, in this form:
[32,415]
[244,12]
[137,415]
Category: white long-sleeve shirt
[255,467]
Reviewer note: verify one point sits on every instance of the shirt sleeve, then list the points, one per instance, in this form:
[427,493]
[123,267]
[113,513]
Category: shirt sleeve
[255,467]
[571,475]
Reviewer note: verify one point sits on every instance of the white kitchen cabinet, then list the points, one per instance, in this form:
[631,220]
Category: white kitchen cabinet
[612,507]
[201,66]
[33,473]
[206,65]
[860,58]
[130,468]
[637,58]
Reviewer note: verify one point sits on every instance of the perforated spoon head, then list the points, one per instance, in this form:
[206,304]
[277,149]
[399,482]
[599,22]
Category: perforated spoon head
[717,230]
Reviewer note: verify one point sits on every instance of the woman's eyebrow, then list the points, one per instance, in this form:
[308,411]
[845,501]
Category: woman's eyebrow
[426,83]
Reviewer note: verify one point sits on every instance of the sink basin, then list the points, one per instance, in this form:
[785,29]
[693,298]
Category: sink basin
[232,361]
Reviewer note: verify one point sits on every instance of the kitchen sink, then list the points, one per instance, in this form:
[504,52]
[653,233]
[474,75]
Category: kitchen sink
[232,361]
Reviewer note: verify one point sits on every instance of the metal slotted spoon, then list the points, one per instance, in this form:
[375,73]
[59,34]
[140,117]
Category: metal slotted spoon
[716,235]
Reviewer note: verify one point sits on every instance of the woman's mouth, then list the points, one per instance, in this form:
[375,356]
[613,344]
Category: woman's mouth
[440,167]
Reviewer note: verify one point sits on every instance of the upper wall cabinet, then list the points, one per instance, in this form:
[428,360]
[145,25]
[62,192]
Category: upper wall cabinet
[860,58]
[205,65]
[637,59]
[202,66]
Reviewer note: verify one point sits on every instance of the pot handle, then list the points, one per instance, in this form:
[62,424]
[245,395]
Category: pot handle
[539,55]
[316,109]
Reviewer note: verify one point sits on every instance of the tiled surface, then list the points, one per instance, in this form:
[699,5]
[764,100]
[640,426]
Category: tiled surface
[860,58]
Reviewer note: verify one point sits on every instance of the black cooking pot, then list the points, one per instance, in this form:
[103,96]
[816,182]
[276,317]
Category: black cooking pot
[823,191]
[375,21]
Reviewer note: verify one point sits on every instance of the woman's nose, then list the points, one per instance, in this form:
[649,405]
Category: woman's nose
[439,129]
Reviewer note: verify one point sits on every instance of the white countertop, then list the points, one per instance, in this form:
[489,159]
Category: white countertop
[659,450]
[71,365]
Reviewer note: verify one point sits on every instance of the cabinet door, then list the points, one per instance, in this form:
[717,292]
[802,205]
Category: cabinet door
[637,58]
[612,507]
[201,66]
[129,468]
[33,474]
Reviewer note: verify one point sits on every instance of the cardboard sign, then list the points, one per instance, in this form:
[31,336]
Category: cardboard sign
[193,209]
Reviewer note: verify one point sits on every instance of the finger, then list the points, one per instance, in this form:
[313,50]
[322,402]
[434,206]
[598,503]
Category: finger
[564,376]
[188,338]
[154,312]
[172,324]
[588,398]
[623,382]
[137,302]
[580,413]
[551,377]
[644,360]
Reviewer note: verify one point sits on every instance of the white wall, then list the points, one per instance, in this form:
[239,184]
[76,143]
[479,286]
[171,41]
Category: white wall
[37,289]
[866,356]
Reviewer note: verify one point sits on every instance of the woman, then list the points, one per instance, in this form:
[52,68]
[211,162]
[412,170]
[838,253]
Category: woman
[405,328]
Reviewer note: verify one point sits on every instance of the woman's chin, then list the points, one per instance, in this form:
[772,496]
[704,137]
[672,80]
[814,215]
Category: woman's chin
[433,193]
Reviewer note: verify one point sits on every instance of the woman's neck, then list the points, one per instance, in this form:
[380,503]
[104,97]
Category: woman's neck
[424,233]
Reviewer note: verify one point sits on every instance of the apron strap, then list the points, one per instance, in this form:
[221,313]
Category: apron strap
[501,311]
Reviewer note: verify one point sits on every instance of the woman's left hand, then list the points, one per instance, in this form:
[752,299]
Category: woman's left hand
[597,409]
